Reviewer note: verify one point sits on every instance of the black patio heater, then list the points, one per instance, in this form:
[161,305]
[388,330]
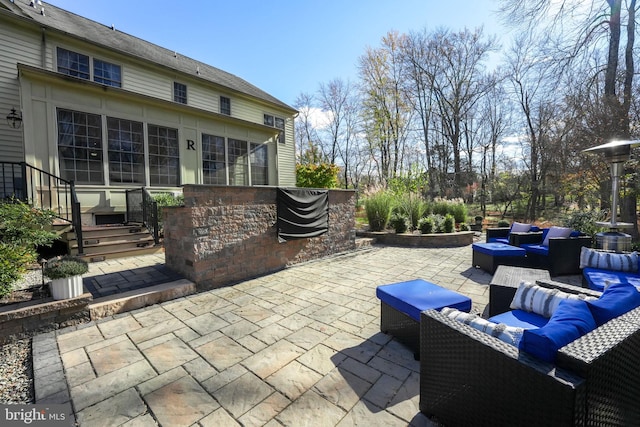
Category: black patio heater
[616,153]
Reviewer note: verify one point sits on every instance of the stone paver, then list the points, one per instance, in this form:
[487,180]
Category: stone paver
[300,347]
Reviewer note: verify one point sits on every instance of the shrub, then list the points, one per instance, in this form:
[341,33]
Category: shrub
[66,266]
[378,209]
[464,227]
[426,225]
[167,199]
[322,175]
[449,224]
[412,206]
[503,223]
[455,208]
[399,222]
[22,230]
[585,221]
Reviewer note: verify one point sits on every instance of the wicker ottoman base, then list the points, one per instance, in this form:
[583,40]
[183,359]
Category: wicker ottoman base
[401,304]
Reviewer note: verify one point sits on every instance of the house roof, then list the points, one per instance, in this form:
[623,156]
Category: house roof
[99,34]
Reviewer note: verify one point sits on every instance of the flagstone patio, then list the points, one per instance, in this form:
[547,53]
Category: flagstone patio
[301,347]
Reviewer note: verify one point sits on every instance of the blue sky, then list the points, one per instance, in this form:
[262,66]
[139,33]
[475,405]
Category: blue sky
[284,47]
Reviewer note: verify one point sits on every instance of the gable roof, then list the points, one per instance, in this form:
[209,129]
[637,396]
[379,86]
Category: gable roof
[102,35]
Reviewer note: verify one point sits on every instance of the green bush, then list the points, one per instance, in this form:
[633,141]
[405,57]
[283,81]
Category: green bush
[585,221]
[322,175]
[412,206]
[66,266]
[503,223]
[378,209]
[453,207]
[426,225]
[22,230]
[167,199]
[399,222]
[459,212]
[449,224]
[464,227]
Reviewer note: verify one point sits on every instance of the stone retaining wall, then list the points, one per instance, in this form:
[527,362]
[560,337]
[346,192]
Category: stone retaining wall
[435,240]
[228,234]
[25,319]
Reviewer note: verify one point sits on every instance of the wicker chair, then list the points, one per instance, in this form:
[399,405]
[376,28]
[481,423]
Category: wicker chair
[563,255]
[469,378]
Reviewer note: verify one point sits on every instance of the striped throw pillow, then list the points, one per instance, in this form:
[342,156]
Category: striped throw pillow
[541,300]
[509,334]
[608,260]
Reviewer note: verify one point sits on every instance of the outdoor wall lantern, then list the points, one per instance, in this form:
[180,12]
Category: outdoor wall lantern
[14,119]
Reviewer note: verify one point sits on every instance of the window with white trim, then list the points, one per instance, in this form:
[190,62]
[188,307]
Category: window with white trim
[79,65]
[179,93]
[80,146]
[238,165]
[164,156]
[125,147]
[258,164]
[276,122]
[214,170]
[225,105]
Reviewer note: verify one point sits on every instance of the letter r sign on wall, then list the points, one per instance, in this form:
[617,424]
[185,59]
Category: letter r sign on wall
[191,145]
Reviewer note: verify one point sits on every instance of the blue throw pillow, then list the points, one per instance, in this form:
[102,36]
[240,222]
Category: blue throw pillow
[617,299]
[570,321]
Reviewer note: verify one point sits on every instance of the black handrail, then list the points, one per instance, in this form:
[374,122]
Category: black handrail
[42,190]
[142,208]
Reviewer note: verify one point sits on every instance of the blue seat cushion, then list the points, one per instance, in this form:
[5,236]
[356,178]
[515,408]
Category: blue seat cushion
[417,295]
[498,249]
[536,249]
[617,299]
[597,278]
[570,321]
[520,319]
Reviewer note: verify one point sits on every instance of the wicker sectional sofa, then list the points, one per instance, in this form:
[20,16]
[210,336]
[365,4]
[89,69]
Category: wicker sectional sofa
[470,378]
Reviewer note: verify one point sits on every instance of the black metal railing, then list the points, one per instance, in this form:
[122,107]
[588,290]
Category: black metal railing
[143,209]
[42,190]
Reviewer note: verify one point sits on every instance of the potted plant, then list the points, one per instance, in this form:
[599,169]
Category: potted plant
[66,276]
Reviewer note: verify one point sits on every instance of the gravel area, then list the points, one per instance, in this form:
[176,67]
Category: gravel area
[16,363]
[16,372]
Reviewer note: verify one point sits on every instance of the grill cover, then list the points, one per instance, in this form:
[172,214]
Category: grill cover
[302,213]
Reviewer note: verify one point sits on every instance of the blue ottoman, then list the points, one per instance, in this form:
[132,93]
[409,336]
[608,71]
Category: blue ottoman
[488,256]
[401,305]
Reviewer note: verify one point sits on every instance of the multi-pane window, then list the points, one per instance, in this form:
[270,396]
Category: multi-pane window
[276,122]
[225,105]
[238,166]
[80,147]
[213,160]
[107,73]
[259,166]
[164,156]
[79,65]
[179,93]
[73,64]
[126,151]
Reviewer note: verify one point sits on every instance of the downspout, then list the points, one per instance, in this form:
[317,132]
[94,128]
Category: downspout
[43,49]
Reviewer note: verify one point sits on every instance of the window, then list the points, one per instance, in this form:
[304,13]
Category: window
[238,166]
[78,65]
[107,73]
[179,93]
[164,156]
[279,124]
[213,160]
[73,64]
[259,167]
[80,147]
[225,105]
[276,122]
[126,151]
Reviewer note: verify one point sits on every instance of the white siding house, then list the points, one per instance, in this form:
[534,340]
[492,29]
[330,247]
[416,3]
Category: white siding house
[112,112]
